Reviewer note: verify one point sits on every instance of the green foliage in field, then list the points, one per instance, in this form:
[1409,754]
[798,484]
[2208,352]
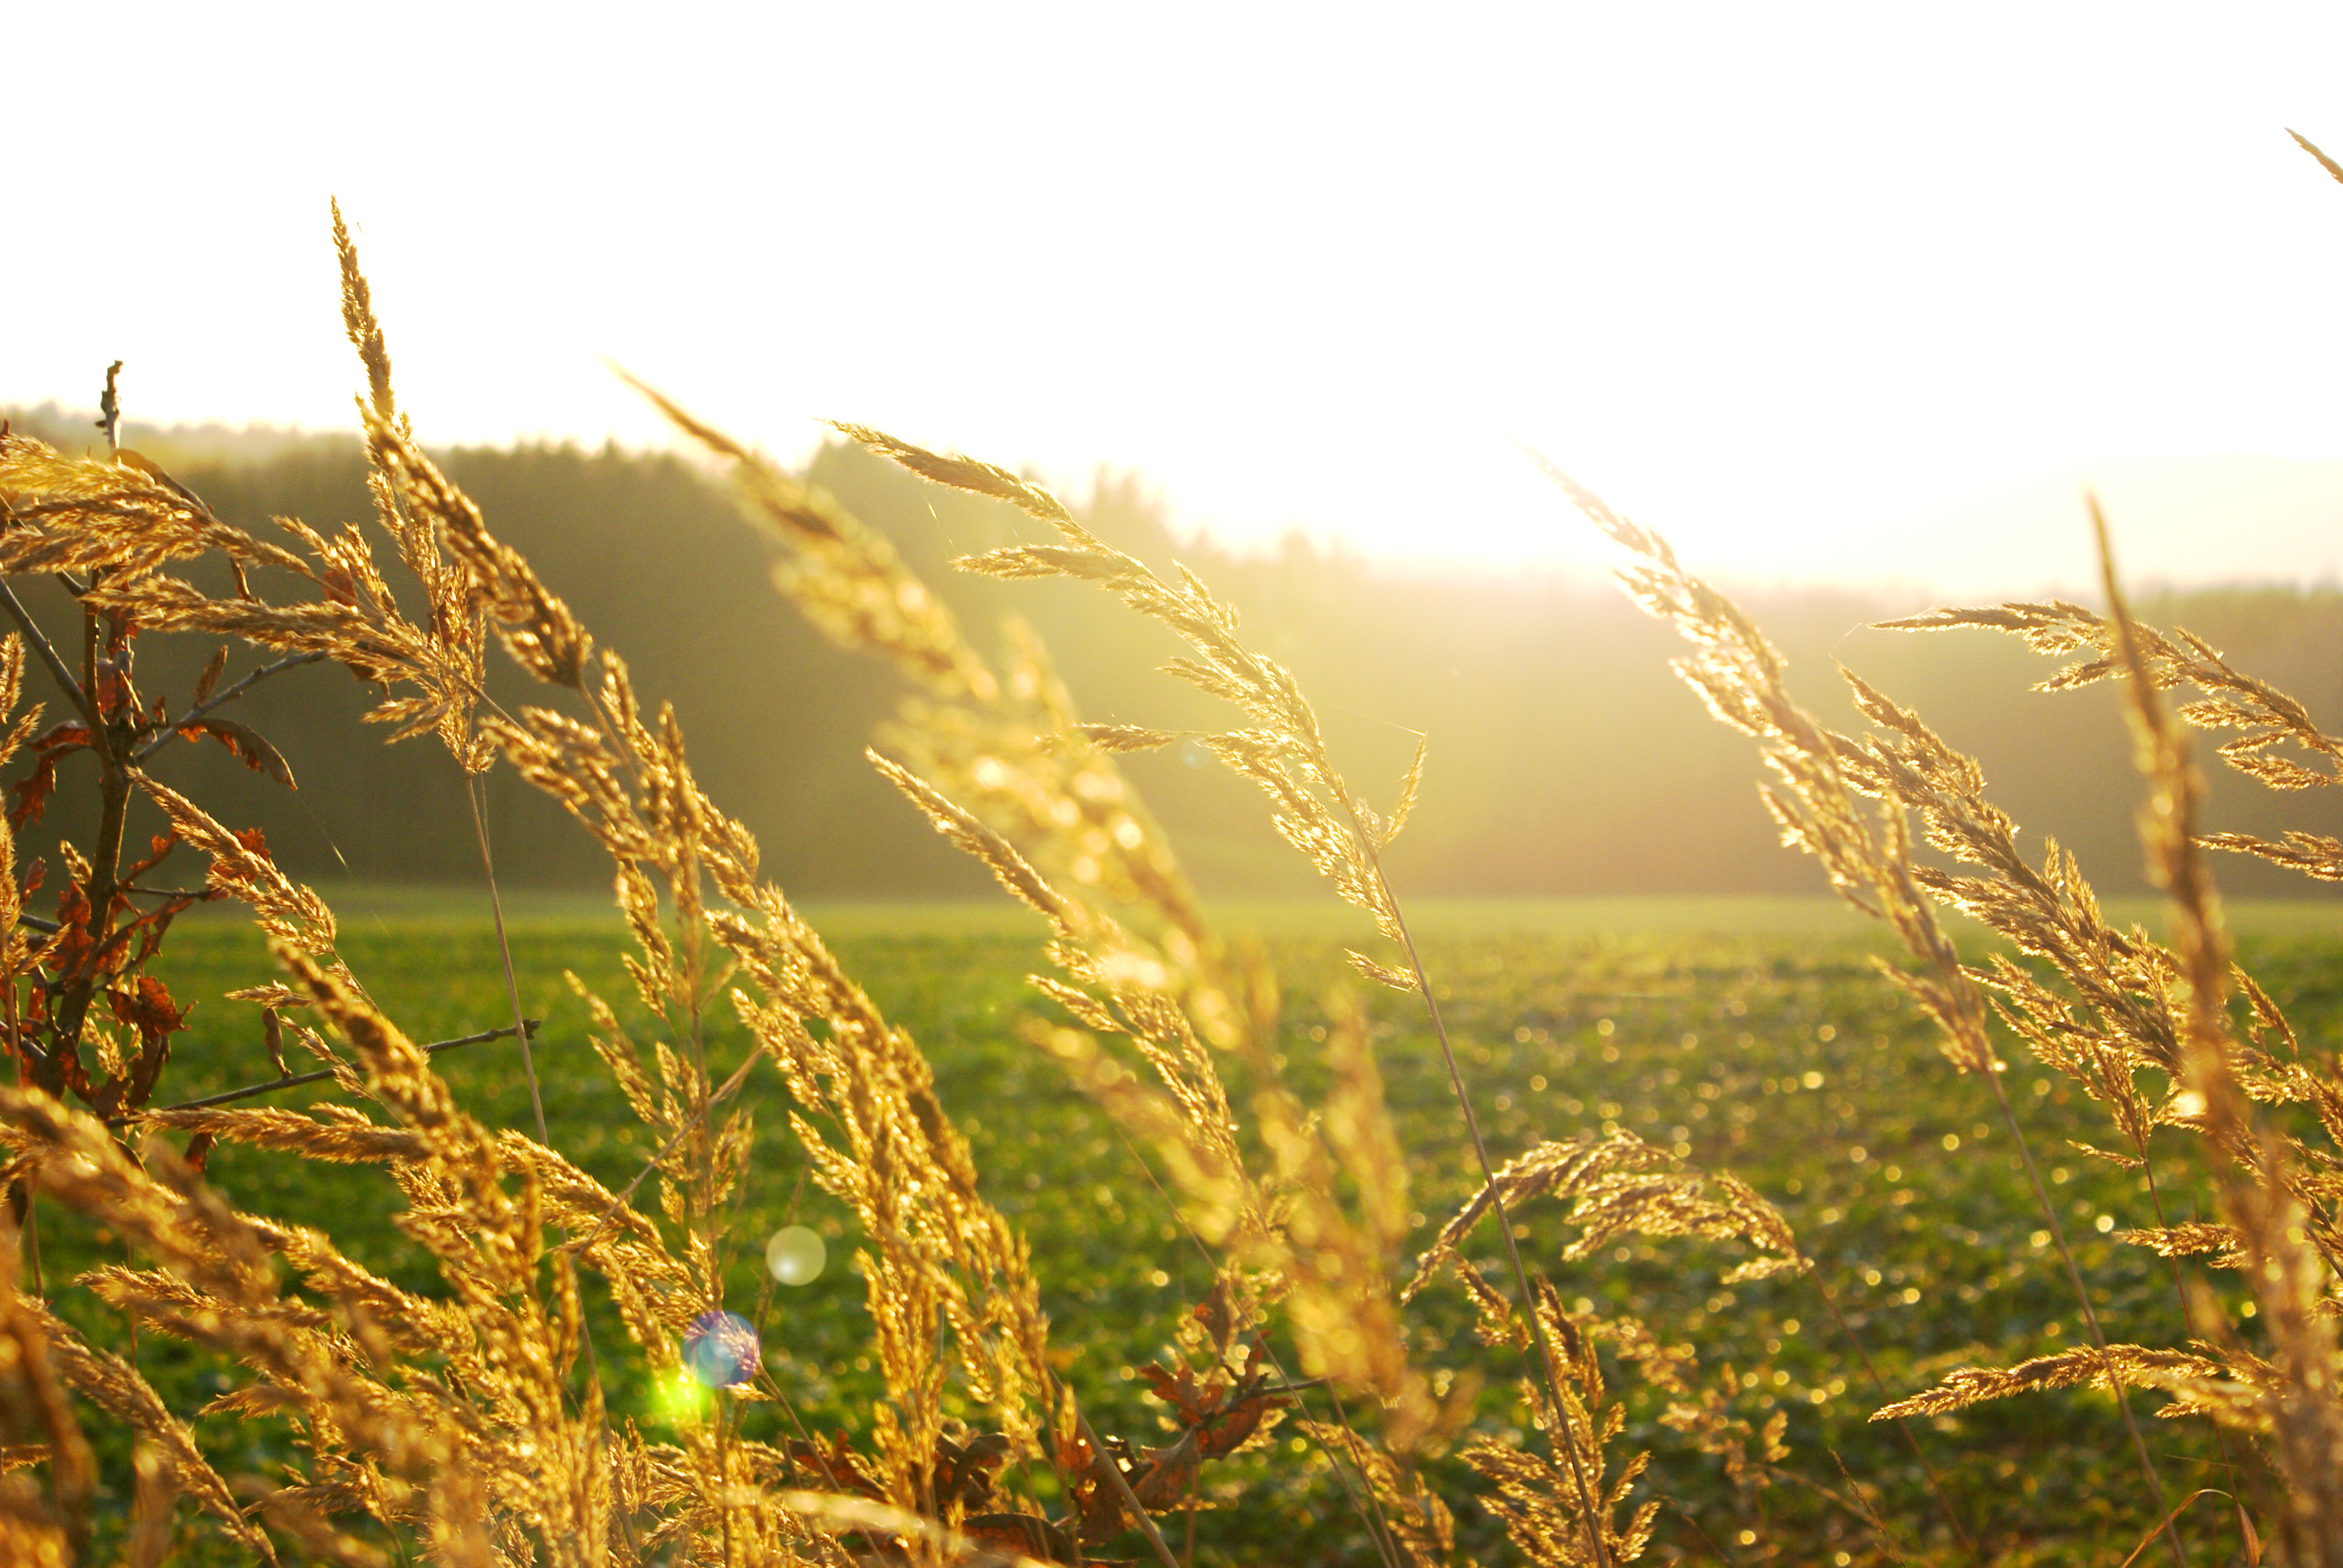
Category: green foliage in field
[1778,1055]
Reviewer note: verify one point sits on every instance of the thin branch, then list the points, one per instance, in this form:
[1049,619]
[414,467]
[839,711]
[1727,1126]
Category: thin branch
[101,885]
[109,407]
[220,697]
[295,1080]
[49,653]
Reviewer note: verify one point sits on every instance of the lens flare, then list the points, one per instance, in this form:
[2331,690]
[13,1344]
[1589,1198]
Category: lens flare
[721,1349]
[795,1255]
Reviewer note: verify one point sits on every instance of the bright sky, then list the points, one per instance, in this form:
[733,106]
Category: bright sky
[1852,293]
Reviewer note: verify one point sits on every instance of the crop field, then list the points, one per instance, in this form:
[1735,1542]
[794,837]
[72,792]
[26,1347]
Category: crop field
[1750,1037]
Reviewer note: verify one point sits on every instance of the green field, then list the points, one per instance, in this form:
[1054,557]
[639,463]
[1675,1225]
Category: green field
[1750,1035]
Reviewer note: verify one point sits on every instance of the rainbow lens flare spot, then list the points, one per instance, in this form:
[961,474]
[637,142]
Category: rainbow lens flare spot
[721,1349]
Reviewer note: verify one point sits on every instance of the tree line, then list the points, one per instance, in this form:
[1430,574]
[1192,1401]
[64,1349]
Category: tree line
[1565,758]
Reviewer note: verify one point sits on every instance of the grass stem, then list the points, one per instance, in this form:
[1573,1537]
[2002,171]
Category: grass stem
[1559,1434]
[1879,1391]
[1103,1463]
[472,790]
[2091,1314]
[474,787]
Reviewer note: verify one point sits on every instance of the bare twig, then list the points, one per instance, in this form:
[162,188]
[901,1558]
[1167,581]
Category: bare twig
[220,698]
[294,1080]
[47,650]
[110,408]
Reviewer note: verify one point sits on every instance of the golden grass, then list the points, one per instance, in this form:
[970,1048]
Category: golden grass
[2128,1006]
[470,1427]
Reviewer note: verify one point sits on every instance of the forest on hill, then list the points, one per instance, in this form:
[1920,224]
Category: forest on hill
[1565,757]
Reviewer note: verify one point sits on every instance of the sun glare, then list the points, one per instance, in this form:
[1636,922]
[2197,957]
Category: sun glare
[1818,290]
